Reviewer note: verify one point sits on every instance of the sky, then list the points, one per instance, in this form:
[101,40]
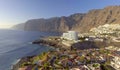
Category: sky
[19,11]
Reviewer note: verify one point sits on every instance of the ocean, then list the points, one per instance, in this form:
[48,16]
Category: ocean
[15,44]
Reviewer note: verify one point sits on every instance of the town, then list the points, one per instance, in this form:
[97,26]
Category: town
[97,50]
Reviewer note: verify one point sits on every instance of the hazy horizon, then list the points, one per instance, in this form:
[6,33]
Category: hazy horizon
[18,11]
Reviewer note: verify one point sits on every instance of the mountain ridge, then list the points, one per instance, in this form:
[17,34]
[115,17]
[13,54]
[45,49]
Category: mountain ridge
[81,22]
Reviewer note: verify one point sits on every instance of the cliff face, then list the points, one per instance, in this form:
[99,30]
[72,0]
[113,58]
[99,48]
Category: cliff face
[19,26]
[52,24]
[79,22]
[94,18]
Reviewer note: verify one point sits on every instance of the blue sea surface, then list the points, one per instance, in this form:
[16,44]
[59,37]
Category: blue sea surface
[15,44]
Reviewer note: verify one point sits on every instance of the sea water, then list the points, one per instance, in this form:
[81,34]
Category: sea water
[15,44]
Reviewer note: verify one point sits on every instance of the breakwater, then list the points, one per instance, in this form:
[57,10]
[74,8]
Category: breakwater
[53,43]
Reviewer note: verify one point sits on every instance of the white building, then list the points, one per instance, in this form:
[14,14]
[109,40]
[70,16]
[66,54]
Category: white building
[70,35]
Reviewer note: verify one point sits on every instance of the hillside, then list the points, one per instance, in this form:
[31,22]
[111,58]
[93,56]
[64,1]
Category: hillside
[79,21]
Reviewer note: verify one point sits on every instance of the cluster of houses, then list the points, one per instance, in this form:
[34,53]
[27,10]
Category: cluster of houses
[74,36]
[107,29]
[73,60]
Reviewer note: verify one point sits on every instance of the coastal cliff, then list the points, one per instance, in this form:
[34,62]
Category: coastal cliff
[81,22]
